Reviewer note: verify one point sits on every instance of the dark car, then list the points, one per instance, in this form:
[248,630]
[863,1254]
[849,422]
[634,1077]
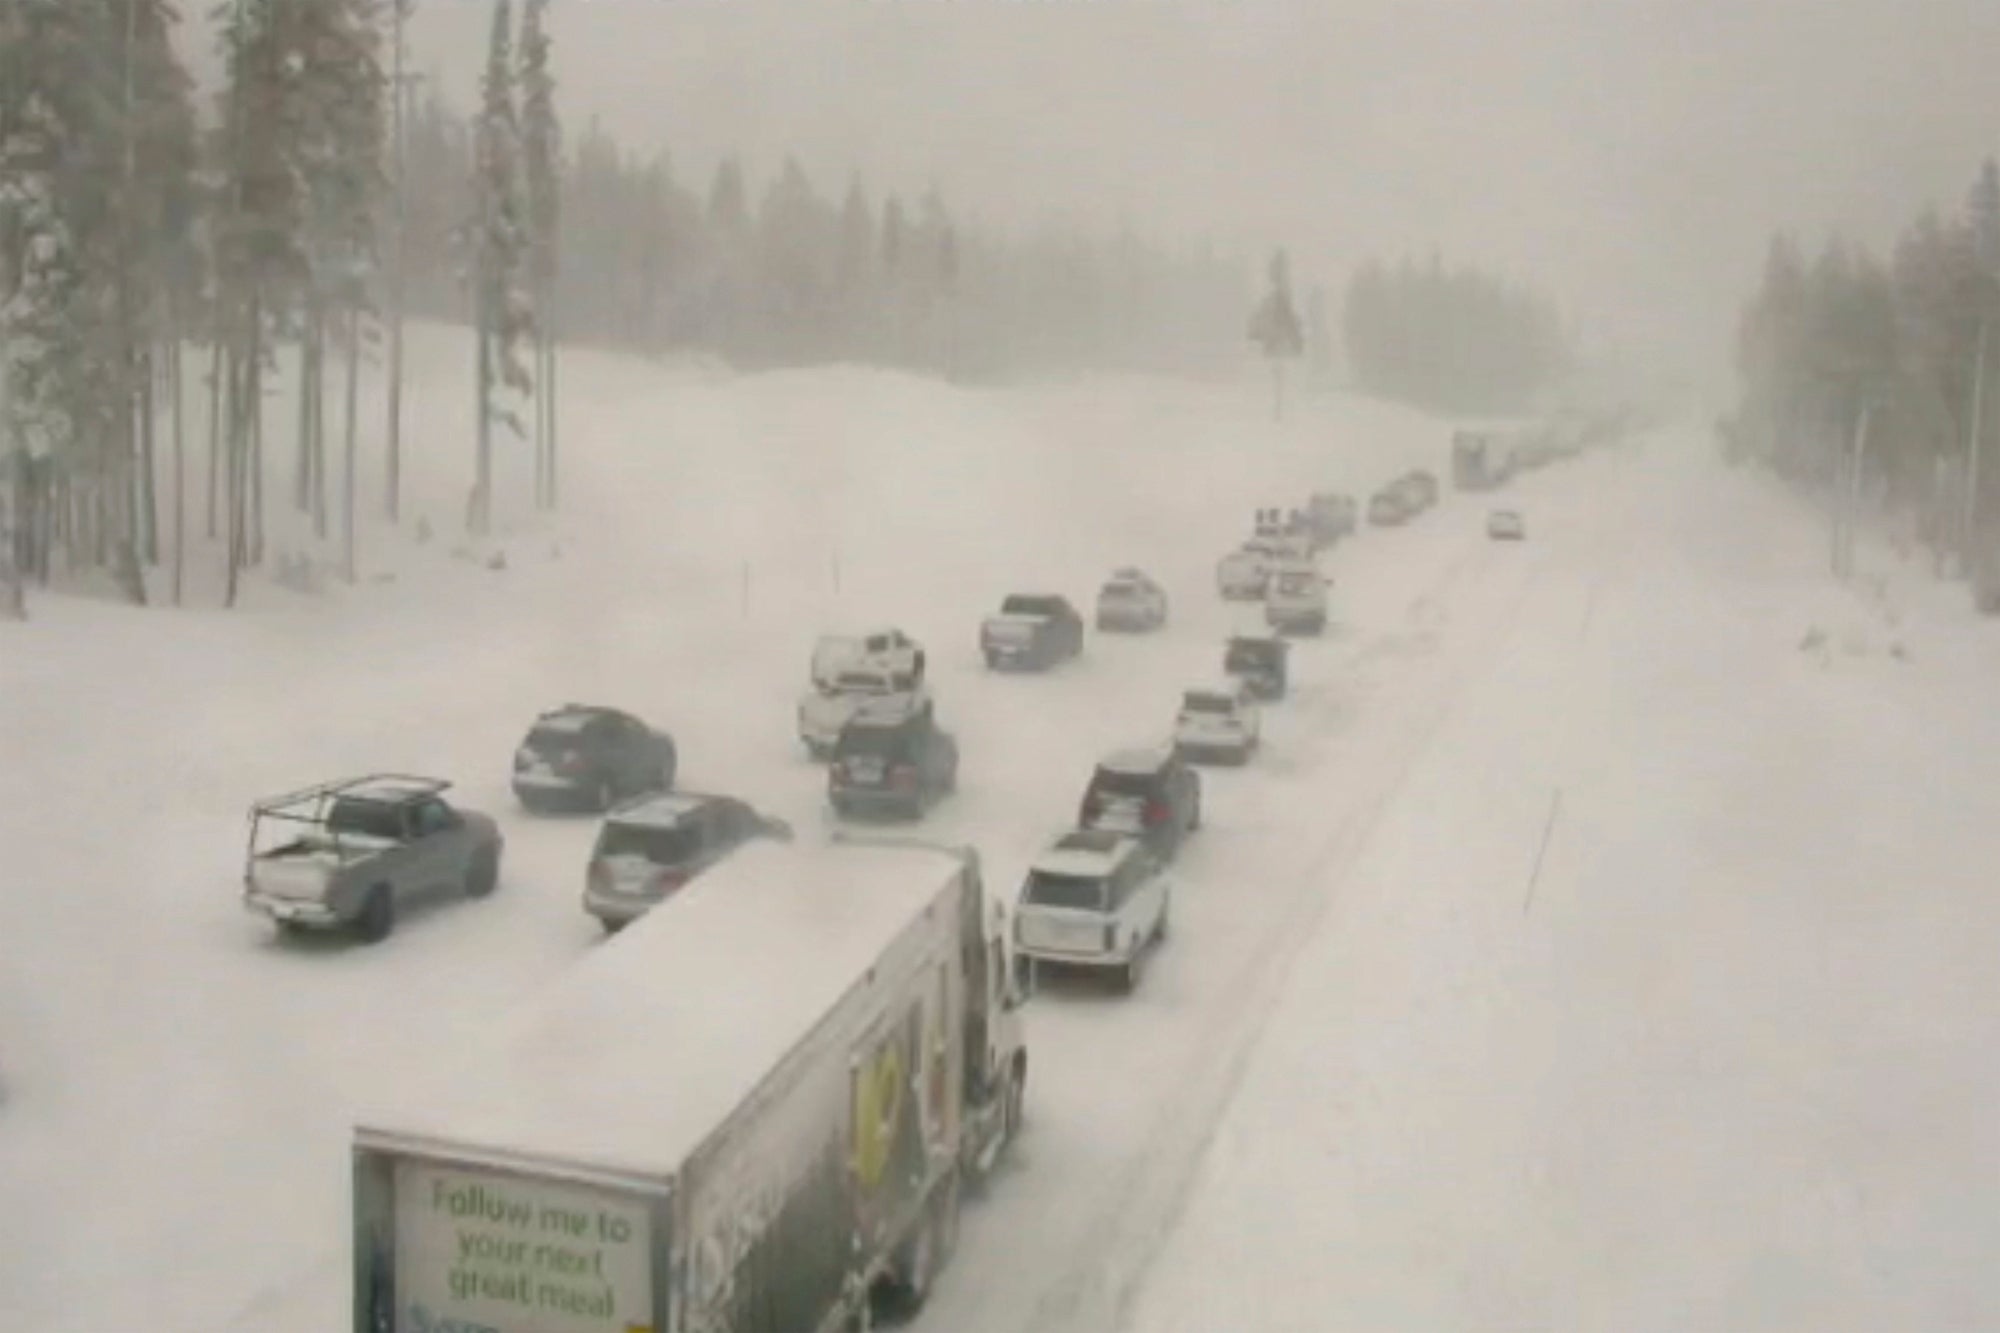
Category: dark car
[1262,663]
[891,760]
[1033,630]
[1151,794]
[649,848]
[589,757]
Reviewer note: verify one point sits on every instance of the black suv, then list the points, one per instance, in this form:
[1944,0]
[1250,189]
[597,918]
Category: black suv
[648,849]
[891,759]
[1151,794]
[589,757]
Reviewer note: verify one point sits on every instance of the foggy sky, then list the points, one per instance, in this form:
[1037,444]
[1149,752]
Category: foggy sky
[1629,157]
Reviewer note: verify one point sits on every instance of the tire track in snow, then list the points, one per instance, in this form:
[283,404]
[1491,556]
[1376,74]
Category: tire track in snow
[1096,1288]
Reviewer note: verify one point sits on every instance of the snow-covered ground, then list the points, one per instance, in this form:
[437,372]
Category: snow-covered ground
[1727,1060]
[1743,981]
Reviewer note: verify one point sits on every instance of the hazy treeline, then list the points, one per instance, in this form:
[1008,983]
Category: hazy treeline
[1833,335]
[789,271]
[1453,339]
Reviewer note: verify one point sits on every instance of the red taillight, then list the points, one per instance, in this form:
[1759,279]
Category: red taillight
[1156,812]
[903,775]
[600,875]
[669,880]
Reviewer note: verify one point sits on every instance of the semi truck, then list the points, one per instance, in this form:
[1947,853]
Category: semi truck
[756,1110]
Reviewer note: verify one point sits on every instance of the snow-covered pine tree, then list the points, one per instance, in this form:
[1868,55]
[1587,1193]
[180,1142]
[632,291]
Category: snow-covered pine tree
[541,165]
[59,336]
[260,259]
[499,243]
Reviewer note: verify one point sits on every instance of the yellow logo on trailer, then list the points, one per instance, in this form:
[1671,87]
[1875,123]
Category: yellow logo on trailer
[878,1105]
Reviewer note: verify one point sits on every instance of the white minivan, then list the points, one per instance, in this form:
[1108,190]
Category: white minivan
[1094,899]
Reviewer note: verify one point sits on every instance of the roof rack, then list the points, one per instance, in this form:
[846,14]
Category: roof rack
[286,805]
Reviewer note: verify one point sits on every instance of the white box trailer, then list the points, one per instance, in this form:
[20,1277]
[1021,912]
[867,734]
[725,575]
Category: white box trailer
[750,1112]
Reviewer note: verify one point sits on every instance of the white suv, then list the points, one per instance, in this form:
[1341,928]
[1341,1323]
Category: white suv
[1295,601]
[1094,899]
[1218,721]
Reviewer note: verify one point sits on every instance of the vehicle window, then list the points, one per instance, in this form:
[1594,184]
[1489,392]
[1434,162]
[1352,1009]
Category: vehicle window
[1019,605]
[1109,782]
[1208,702]
[864,682]
[549,741]
[431,816]
[1296,585]
[884,741]
[663,845]
[366,819]
[1084,893]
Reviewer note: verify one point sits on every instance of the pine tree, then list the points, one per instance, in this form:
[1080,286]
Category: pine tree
[542,167]
[500,248]
[1274,327]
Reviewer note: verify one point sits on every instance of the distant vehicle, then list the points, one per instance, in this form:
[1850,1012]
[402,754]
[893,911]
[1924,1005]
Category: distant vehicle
[587,756]
[1150,794]
[757,1111]
[1218,722]
[1032,630]
[1389,507]
[825,709]
[1260,662]
[1506,525]
[649,849]
[347,855]
[1422,486]
[887,650]
[1295,601]
[891,761]
[1270,521]
[1093,899]
[1476,460]
[1332,516]
[1242,575]
[1130,600]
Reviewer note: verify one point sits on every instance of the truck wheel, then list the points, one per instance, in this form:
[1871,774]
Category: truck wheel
[483,876]
[378,915]
[916,1264]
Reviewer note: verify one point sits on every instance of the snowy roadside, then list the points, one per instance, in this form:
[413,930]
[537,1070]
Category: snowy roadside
[1713,1055]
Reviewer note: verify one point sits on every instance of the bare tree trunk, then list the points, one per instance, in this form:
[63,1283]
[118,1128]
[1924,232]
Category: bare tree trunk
[149,497]
[254,405]
[482,484]
[350,562]
[215,372]
[549,389]
[176,402]
[13,554]
[302,474]
[316,341]
[398,89]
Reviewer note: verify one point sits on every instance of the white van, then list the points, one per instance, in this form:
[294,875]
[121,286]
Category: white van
[1295,601]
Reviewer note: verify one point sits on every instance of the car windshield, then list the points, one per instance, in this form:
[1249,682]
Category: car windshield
[1084,893]
[1296,585]
[1205,701]
[864,682]
[665,845]
[1121,591]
